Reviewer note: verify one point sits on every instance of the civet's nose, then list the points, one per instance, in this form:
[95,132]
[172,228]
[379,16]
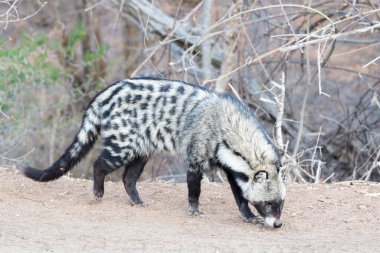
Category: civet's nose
[277,224]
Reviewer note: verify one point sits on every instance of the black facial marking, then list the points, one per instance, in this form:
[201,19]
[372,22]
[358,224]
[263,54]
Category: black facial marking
[236,152]
[235,174]
[269,208]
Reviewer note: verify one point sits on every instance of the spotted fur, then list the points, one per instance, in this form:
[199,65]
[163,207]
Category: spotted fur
[137,117]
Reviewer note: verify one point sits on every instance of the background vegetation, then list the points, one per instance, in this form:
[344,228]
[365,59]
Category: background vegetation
[317,58]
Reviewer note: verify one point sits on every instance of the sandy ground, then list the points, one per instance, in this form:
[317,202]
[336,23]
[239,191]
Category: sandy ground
[62,216]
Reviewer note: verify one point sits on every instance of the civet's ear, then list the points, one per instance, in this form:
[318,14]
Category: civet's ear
[260,176]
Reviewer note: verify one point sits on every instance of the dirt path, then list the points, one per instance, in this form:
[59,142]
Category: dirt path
[62,216]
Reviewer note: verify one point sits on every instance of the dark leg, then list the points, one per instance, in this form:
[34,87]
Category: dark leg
[194,177]
[131,174]
[104,165]
[241,202]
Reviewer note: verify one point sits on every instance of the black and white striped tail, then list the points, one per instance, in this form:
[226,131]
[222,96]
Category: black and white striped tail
[79,148]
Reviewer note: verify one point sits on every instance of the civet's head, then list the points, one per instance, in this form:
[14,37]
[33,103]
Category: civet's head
[261,182]
[267,194]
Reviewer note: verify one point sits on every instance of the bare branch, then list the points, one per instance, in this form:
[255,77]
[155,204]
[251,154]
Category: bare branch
[11,13]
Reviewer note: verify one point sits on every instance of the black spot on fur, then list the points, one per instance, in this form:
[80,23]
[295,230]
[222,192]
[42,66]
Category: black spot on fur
[181,90]
[165,88]
[150,87]
[116,148]
[168,130]
[128,98]
[157,101]
[172,110]
[185,105]
[159,136]
[145,118]
[119,101]
[161,114]
[108,142]
[112,106]
[137,98]
[107,126]
[173,142]
[106,114]
[134,86]
[115,116]
[143,106]
[123,137]
[147,133]
[107,100]
[126,111]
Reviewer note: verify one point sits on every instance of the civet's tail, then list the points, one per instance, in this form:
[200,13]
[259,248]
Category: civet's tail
[79,148]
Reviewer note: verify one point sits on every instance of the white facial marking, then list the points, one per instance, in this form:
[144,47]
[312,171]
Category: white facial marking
[235,162]
[269,221]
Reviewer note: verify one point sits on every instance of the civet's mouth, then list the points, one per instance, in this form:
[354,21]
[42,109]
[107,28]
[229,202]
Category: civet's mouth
[272,222]
[271,212]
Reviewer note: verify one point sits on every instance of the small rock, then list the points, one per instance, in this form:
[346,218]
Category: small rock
[363,206]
